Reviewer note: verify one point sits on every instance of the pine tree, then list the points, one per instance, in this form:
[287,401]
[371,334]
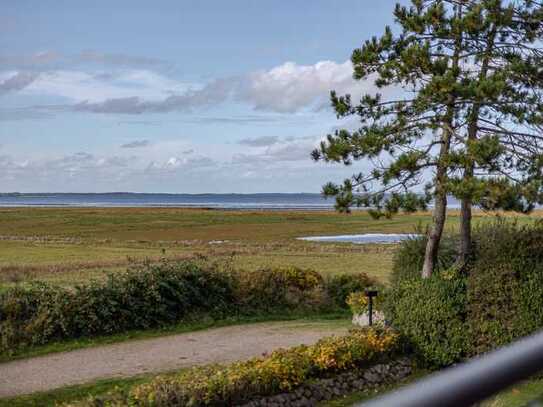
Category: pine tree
[503,95]
[466,76]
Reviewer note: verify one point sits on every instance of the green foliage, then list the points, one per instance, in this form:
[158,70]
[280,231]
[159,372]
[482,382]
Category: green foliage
[505,295]
[240,382]
[138,299]
[156,295]
[358,302]
[339,286]
[409,257]
[278,289]
[497,298]
[430,314]
[470,110]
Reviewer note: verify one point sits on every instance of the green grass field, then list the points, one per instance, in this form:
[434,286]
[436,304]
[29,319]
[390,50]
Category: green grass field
[70,245]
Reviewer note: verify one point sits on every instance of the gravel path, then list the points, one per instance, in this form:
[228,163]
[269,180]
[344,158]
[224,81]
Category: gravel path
[156,355]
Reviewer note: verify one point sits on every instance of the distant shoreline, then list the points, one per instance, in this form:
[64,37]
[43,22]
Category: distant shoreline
[260,202]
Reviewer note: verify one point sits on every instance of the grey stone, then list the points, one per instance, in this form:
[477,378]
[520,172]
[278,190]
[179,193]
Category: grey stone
[359,384]
[327,381]
[304,401]
[371,376]
[342,384]
[319,394]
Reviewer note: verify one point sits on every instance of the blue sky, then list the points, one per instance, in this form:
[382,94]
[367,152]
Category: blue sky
[175,96]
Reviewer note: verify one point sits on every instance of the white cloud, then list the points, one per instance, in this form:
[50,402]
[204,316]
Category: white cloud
[288,88]
[54,170]
[160,161]
[112,90]
[298,151]
[172,167]
[17,81]
[263,141]
[174,164]
[291,87]
[286,150]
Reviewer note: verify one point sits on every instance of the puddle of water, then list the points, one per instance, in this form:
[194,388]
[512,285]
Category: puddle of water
[362,239]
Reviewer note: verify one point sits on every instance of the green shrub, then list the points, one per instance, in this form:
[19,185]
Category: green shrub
[149,297]
[409,257]
[358,302]
[17,307]
[529,301]
[498,299]
[154,295]
[339,286]
[430,315]
[281,289]
[240,382]
[505,283]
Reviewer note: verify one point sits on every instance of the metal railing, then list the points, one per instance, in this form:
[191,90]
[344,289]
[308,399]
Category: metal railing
[473,381]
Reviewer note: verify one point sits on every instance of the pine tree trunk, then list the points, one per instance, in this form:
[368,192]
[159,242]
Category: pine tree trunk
[465,232]
[440,205]
[434,235]
[464,250]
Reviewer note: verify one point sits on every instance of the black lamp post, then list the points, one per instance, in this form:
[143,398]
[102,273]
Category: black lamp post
[370,294]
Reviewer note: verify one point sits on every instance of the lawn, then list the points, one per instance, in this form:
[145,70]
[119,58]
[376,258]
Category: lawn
[72,393]
[517,396]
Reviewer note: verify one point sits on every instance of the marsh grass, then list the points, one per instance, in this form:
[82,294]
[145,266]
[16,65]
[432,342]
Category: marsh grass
[328,259]
[70,245]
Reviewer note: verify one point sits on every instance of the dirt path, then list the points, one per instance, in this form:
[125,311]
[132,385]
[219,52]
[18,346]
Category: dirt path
[156,355]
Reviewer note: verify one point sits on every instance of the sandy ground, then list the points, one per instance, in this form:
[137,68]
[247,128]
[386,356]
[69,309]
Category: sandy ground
[155,355]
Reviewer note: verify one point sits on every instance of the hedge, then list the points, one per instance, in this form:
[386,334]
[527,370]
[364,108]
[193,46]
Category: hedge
[339,286]
[156,295]
[505,284]
[431,315]
[138,299]
[495,300]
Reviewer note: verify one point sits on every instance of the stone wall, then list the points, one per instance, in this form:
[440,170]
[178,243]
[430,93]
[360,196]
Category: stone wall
[343,384]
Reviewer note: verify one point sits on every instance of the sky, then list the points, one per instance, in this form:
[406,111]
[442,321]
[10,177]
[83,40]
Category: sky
[175,96]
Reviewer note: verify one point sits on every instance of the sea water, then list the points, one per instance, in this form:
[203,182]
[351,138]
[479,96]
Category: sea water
[362,239]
